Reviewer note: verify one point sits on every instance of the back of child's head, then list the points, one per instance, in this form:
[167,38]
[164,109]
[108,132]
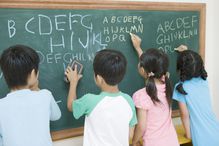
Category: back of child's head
[17,63]
[110,65]
[190,65]
[155,63]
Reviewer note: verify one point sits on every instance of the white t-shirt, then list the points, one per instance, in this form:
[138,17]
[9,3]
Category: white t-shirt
[25,116]
[108,118]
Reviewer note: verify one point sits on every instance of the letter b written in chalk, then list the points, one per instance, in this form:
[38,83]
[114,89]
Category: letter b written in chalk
[11,28]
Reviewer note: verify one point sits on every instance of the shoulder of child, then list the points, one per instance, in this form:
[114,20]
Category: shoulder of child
[141,93]
[45,91]
[88,97]
[142,99]
[127,97]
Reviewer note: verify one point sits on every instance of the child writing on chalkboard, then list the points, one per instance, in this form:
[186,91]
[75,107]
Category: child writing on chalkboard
[25,112]
[153,102]
[192,93]
[110,113]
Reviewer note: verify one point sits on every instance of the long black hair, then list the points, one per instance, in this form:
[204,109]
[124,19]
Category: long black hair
[189,65]
[156,62]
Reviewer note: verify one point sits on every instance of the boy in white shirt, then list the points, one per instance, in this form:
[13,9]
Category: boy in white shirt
[25,112]
[110,114]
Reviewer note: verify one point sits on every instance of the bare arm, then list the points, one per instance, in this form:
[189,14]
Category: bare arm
[141,126]
[131,132]
[185,118]
[73,78]
[136,41]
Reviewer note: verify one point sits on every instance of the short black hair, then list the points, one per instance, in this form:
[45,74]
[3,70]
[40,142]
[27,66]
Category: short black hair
[111,65]
[16,63]
[190,65]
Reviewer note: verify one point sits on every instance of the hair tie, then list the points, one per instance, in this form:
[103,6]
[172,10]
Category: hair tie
[167,74]
[163,78]
[151,74]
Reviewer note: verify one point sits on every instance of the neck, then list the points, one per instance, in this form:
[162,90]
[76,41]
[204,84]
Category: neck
[110,89]
[19,88]
[158,82]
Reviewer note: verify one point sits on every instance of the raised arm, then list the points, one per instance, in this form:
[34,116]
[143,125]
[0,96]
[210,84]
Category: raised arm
[136,41]
[73,78]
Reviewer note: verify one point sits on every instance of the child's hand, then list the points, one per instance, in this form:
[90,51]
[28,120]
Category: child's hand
[181,48]
[72,75]
[136,41]
[136,144]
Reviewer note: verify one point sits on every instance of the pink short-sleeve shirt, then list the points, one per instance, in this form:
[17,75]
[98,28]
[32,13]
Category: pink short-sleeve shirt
[159,130]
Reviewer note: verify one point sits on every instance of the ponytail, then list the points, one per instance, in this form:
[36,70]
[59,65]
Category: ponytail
[183,69]
[204,74]
[151,89]
[180,89]
[169,90]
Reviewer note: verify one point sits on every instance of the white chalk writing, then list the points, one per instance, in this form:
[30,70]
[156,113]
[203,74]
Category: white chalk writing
[116,27]
[1,75]
[62,33]
[180,28]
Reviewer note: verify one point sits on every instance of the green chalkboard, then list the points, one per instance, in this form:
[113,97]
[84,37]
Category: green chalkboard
[60,34]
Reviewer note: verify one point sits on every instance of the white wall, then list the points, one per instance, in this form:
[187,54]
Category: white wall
[212,51]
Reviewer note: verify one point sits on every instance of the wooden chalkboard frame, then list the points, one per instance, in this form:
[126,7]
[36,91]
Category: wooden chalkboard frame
[120,5]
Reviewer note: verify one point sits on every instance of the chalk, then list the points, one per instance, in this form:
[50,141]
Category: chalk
[59,101]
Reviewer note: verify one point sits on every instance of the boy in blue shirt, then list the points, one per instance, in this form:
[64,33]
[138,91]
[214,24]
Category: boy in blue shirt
[110,113]
[26,111]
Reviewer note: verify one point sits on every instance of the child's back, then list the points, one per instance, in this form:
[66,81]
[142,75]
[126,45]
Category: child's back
[153,102]
[193,95]
[25,117]
[159,127]
[108,120]
[110,114]
[203,123]
[25,114]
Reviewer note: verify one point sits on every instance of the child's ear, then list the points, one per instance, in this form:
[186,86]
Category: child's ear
[99,79]
[32,78]
[142,72]
[34,74]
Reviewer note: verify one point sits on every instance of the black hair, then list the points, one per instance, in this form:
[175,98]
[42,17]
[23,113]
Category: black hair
[111,65]
[16,63]
[189,65]
[157,62]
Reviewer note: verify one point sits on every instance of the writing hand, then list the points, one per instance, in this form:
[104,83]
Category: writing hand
[136,41]
[181,48]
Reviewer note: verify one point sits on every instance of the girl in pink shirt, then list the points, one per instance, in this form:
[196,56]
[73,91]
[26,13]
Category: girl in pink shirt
[153,102]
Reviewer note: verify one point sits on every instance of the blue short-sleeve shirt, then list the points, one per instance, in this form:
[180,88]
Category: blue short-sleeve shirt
[203,123]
